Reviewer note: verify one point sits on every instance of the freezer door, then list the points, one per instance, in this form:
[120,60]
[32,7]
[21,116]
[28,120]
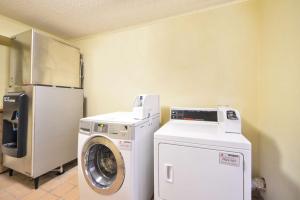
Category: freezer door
[195,173]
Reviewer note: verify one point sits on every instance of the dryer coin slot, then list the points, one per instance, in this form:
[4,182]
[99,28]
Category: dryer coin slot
[231,115]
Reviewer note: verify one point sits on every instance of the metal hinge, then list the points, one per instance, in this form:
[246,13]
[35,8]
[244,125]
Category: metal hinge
[81,70]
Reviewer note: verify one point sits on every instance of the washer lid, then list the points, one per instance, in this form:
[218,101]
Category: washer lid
[116,118]
[206,133]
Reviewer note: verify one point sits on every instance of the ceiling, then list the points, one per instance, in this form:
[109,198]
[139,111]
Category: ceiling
[77,18]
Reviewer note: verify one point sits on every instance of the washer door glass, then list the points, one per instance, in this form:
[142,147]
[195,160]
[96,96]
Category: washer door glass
[103,165]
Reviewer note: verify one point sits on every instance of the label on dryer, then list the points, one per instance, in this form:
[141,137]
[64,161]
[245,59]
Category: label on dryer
[229,159]
[125,145]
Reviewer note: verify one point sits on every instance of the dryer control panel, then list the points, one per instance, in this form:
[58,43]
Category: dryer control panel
[197,115]
[227,117]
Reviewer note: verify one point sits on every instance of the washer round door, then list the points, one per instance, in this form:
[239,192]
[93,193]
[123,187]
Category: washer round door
[103,165]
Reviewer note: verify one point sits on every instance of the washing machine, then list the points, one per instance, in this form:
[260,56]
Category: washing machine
[115,153]
[202,154]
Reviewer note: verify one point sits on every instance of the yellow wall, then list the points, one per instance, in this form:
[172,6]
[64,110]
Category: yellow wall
[8,28]
[280,98]
[200,59]
[4,58]
[245,55]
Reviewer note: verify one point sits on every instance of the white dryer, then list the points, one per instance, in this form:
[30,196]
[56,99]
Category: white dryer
[202,154]
[115,153]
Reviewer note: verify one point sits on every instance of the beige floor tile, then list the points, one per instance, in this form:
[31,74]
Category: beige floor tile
[68,174]
[73,179]
[6,181]
[52,187]
[62,189]
[34,195]
[73,170]
[49,196]
[5,196]
[19,190]
[72,195]
[51,184]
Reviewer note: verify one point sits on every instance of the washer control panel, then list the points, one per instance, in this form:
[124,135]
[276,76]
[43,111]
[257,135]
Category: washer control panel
[101,128]
[115,131]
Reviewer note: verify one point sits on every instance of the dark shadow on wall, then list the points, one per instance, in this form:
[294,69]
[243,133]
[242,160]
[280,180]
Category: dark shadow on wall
[84,107]
[165,114]
[252,134]
[279,185]
[267,162]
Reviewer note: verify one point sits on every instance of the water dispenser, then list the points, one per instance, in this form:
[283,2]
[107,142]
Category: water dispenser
[15,114]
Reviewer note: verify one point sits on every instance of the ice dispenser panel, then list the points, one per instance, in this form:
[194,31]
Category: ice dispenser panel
[15,114]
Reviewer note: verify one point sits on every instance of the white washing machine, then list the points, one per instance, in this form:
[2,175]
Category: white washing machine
[202,154]
[115,153]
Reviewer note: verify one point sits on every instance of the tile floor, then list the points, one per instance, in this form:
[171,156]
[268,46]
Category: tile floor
[52,187]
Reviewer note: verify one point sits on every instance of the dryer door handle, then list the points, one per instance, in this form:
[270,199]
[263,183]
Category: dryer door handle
[169,173]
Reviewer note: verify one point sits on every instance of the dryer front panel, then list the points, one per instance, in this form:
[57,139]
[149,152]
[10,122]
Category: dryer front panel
[103,165]
[194,173]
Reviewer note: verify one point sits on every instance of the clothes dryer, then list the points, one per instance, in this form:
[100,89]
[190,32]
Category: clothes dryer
[202,154]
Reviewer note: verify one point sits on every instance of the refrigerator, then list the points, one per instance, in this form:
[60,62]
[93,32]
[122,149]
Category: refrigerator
[2,169]
[43,105]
